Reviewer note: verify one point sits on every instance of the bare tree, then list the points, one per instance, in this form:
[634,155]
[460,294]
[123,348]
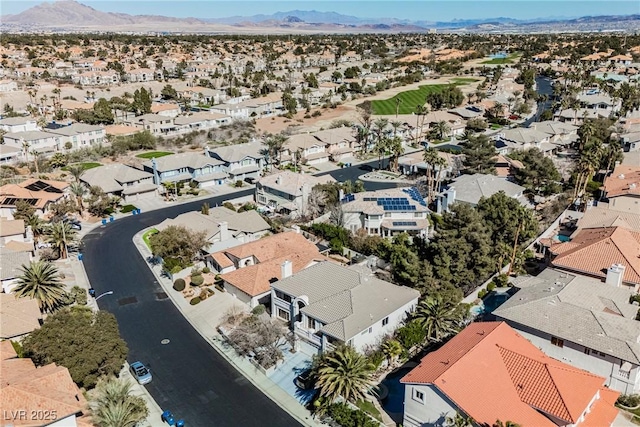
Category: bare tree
[264,339]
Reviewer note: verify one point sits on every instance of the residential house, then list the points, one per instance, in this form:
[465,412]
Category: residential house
[39,193]
[241,161]
[304,148]
[203,96]
[156,124]
[49,390]
[413,164]
[248,270]
[329,304]
[490,359]
[20,316]
[522,139]
[631,141]
[18,124]
[187,167]
[578,116]
[195,122]
[386,212]
[560,134]
[15,236]
[621,190]
[80,135]
[8,86]
[9,154]
[339,143]
[603,252]
[602,216]
[166,109]
[471,188]
[34,140]
[594,100]
[11,263]
[580,320]
[121,180]
[288,191]
[221,225]
[140,75]
[97,78]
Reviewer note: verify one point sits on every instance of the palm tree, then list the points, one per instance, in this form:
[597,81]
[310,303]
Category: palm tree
[395,146]
[40,280]
[60,234]
[36,224]
[521,215]
[395,125]
[392,349]
[76,171]
[439,317]
[421,111]
[398,102]
[78,190]
[442,129]
[275,144]
[113,405]
[435,165]
[586,131]
[343,373]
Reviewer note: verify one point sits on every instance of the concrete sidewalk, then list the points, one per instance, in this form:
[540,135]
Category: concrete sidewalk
[205,321]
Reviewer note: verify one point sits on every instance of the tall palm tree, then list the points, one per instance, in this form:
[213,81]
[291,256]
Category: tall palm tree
[60,234]
[435,165]
[343,373]
[36,224]
[395,125]
[395,146]
[398,102]
[439,317]
[79,191]
[113,405]
[421,111]
[442,128]
[75,171]
[40,280]
[586,131]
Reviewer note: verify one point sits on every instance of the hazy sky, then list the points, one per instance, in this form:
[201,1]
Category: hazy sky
[441,10]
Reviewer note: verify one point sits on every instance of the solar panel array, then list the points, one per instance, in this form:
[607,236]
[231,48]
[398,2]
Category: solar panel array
[395,204]
[404,224]
[348,198]
[370,199]
[415,195]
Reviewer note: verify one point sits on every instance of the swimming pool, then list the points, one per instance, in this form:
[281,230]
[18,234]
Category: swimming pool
[563,238]
[494,300]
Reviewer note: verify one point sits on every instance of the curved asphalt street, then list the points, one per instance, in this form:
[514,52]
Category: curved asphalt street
[190,378]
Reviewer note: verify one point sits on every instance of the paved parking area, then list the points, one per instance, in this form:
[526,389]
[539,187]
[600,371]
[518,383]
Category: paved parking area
[294,364]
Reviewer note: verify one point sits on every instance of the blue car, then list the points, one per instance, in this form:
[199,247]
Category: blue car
[168,418]
[141,373]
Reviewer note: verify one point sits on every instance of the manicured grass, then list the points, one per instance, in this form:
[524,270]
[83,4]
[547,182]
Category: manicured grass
[510,59]
[85,166]
[153,154]
[410,99]
[464,80]
[369,408]
[147,235]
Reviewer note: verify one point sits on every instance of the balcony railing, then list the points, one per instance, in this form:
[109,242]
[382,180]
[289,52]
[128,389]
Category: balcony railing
[624,374]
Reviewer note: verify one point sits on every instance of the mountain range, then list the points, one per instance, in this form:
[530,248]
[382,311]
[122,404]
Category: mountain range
[70,15]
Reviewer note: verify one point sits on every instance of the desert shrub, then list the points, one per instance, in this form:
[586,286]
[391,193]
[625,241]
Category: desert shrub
[343,415]
[197,280]
[229,205]
[316,113]
[79,295]
[501,280]
[195,300]
[258,310]
[482,293]
[629,400]
[491,286]
[179,285]
[206,270]
[219,287]
[238,183]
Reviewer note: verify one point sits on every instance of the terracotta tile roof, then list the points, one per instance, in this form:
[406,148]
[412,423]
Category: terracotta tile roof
[6,350]
[275,246]
[19,315]
[222,259]
[594,250]
[490,359]
[625,180]
[603,411]
[15,246]
[256,279]
[20,191]
[47,388]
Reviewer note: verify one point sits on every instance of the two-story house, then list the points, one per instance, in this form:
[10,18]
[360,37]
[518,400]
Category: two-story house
[471,188]
[196,122]
[287,191]
[304,148]
[18,124]
[154,123]
[33,141]
[38,193]
[241,161]
[80,135]
[248,270]
[621,190]
[328,304]
[186,167]
[339,143]
[386,212]
[121,180]
[522,139]
[582,321]
[489,359]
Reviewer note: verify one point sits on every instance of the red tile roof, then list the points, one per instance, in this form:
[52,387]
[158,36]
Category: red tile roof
[490,372]
[594,250]
[624,180]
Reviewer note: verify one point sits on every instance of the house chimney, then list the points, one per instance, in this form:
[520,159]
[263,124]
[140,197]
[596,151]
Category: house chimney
[206,150]
[615,275]
[224,230]
[340,194]
[278,179]
[286,269]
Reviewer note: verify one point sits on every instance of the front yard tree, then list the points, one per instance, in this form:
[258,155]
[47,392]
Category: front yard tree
[440,317]
[23,210]
[60,235]
[343,373]
[113,405]
[85,342]
[177,243]
[40,280]
[168,92]
[479,155]
[539,174]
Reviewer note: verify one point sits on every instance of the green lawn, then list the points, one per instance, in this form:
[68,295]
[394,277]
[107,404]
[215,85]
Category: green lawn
[147,235]
[153,154]
[464,80]
[369,408]
[510,59]
[410,99]
[85,166]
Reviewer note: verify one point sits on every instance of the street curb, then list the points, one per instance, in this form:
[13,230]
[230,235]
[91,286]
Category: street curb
[215,340]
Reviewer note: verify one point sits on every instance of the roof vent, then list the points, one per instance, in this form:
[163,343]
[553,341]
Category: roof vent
[632,186]
[621,176]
